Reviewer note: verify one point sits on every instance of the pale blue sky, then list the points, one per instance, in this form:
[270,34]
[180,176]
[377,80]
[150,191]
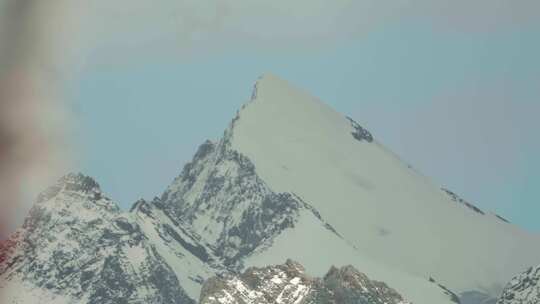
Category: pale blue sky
[458,101]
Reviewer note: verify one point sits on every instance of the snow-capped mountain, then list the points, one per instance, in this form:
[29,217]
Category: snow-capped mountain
[289,284]
[290,178]
[523,289]
[374,201]
[341,195]
[76,246]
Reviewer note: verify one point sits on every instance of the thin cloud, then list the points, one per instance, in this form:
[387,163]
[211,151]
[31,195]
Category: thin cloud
[282,24]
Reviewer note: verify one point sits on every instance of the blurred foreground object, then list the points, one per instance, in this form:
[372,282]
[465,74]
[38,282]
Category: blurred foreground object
[31,116]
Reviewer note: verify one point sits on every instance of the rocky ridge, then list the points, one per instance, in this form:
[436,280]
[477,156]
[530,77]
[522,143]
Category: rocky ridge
[523,289]
[289,284]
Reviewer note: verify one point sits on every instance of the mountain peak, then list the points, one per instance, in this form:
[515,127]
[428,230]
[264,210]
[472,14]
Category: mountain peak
[277,106]
[73,182]
[79,182]
[272,88]
[268,78]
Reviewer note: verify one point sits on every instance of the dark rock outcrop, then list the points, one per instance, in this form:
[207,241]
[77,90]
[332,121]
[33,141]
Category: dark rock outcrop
[289,284]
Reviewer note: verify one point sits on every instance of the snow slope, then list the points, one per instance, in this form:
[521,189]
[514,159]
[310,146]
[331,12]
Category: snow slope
[318,247]
[222,199]
[377,203]
[191,260]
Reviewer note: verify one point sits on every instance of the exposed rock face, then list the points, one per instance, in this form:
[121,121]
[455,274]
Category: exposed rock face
[523,289]
[282,283]
[360,133]
[454,197]
[220,196]
[288,284]
[349,286]
[79,247]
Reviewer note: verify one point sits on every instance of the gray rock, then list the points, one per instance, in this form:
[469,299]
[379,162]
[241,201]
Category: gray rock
[523,289]
[289,284]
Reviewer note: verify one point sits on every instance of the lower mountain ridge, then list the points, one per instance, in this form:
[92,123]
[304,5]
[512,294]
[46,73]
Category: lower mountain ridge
[76,246]
[289,284]
[289,179]
[523,289]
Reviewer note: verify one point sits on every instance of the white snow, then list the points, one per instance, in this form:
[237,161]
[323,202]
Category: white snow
[386,210]
[276,280]
[136,255]
[17,292]
[295,281]
[183,263]
[316,248]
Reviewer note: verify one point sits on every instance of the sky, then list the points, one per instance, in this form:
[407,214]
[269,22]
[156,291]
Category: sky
[452,87]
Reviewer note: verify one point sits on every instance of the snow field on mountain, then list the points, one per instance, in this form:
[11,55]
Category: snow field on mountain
[317,248]
[374,200]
